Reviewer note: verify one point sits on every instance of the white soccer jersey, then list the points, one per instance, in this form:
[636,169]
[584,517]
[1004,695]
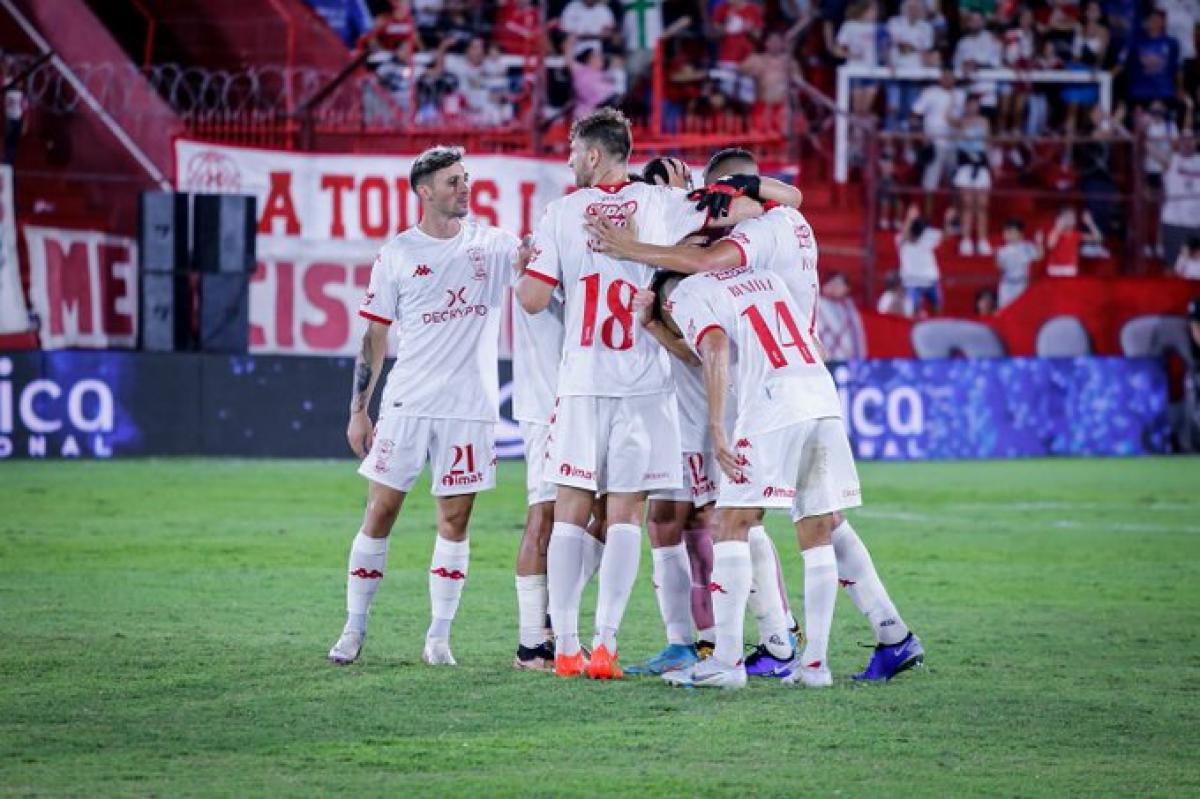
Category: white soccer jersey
[446,295]
[779,375]
[782,241]
[537,352]
[605,351]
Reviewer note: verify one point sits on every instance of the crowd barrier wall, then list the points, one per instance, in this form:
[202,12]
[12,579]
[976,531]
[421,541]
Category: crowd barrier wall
[74,404]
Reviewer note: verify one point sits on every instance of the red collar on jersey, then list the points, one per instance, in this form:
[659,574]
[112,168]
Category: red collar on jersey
[612,188]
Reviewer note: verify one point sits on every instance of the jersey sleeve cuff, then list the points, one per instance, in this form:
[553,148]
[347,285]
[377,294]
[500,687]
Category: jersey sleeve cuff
[704,332]
[368,315]
[536,275]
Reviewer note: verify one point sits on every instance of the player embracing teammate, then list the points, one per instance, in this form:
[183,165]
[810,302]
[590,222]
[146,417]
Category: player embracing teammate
[758,297]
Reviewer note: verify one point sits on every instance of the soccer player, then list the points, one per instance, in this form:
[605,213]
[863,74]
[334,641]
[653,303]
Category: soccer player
[443,283]
[616,428]
[788,424]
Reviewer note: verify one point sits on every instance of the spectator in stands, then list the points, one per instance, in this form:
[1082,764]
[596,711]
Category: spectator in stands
[889,197]
[643,30]
[1180,218]
[891,301]
[593,83]
[774,72]
[917,244]
[839,326]
[911,45]
[1182,17]
[1064,242]
[738,24]
[588,23]
[857,43]
[1152,63]
[438,99]
[1159,133]
[936,108]
[979,49]
[985,303]
[16,120]
[482,83]
[1089,51]
[1187,265]
[394,28]
[349,19]
[686,80]
[394,68]
[1019,49]
[516,28]
[1038,119]
[973,178]
[1014,259]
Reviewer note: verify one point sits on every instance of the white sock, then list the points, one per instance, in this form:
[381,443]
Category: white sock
[368,556]
[730,586]
[447,574]
[564,563]
[707,634]
[593,553]
[618,571]
[531,609]
[768,609]
[820,593]
[673,587]
[856,573]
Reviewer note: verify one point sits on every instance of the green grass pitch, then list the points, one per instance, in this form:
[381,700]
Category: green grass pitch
[164,624]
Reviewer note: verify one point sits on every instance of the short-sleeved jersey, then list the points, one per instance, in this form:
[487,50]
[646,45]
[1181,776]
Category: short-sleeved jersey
[605,351]
[537,352]
[780,377]
[445,296]
[782,241]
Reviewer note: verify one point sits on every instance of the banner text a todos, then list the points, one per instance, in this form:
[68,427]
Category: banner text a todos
[322,219]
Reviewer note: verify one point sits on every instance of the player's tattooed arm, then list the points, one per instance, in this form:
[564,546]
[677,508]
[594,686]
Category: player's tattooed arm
[714,353]
[685,258]
[367,364]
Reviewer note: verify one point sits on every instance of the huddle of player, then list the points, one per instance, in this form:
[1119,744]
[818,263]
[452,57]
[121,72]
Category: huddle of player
[654,359]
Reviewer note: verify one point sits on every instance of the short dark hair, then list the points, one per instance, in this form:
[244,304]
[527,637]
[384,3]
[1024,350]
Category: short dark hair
[655,171]
[657,283]
[608,129]
[433,160]
[728,154]
[1014,223]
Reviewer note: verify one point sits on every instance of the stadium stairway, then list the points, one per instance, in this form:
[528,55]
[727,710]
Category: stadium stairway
[84,167]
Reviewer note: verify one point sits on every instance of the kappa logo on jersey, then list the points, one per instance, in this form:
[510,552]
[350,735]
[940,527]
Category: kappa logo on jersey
[367,574]
[449,574]
[714,588]
[743,443]
[422,271]
[779,491]
[475,256]
[567,470]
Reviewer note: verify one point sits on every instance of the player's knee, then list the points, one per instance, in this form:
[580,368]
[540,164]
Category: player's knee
[815,531]
[381,514]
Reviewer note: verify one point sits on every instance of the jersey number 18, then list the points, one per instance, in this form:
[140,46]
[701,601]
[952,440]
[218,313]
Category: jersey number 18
[616,331]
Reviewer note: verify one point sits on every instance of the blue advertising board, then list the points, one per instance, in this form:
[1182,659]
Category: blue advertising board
[107,404]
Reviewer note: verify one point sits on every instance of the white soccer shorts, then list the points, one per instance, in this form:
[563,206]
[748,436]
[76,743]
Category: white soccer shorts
[807,467]
[461,454]
[537,451]
[616,445]
[701,476]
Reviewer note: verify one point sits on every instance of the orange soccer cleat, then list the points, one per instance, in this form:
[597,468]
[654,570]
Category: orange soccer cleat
[604,666]
[570,665]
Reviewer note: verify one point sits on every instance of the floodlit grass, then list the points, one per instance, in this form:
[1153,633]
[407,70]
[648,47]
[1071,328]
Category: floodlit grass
[163,628]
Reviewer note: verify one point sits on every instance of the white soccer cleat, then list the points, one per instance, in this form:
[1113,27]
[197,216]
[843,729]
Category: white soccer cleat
[348,647]
[437,652]
[809,676]
[709,673]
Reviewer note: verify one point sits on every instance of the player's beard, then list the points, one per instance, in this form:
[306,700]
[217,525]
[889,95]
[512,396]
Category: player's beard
[584,175]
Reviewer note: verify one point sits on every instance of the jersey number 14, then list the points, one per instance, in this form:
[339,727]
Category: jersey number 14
[788,335]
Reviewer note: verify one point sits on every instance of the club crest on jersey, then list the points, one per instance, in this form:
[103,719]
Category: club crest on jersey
[383,449]
[368,298]
[803,235]
[479,270]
